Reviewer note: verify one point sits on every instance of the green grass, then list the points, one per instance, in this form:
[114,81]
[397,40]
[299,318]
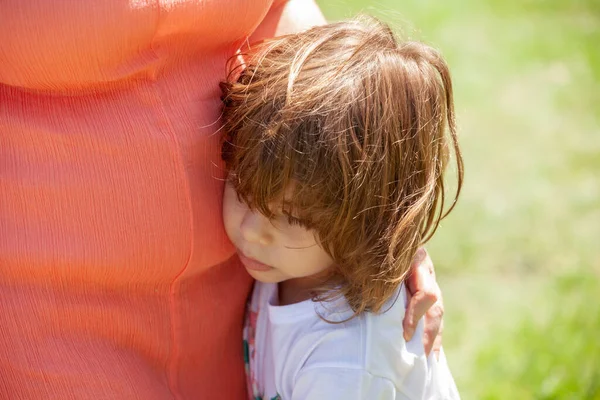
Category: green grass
[519,258]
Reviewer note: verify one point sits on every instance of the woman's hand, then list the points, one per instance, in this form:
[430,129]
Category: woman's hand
[425,299]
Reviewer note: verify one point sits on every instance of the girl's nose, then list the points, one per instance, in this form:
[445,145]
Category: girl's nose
[255,228]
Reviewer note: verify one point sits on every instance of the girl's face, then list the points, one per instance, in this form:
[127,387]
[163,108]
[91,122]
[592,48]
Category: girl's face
[272,250]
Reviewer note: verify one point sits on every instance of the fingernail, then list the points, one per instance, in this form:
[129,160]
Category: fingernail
[419,256]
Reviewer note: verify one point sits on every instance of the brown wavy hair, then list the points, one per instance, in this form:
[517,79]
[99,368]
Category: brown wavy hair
[359,126]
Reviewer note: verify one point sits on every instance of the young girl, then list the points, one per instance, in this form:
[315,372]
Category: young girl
[336,142]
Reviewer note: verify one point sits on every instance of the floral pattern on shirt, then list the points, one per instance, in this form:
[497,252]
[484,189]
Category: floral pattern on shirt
[249,335]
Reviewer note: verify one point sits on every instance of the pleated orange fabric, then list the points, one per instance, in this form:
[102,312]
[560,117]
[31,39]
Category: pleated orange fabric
[116,278]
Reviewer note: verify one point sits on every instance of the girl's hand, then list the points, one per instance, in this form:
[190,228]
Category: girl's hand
[424,299]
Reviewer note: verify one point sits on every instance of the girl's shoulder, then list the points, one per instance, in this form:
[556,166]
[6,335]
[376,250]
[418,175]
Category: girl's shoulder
[312,339]
[373,342]
[317,334]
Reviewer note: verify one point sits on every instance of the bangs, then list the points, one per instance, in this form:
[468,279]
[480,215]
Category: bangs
[275,172]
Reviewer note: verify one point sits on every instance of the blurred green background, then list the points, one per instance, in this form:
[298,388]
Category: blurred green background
[519,259]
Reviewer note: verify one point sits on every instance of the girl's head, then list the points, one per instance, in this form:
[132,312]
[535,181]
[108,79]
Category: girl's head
[336,141]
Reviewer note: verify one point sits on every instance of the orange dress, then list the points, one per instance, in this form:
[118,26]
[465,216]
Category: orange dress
[116,278]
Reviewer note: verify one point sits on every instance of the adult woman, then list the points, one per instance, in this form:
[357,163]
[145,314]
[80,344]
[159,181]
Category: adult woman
[113,257]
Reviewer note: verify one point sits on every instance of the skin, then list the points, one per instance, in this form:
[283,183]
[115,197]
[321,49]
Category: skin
[277,250]
[425,299]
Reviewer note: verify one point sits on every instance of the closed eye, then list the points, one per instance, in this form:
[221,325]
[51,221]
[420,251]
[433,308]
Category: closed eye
[295,221]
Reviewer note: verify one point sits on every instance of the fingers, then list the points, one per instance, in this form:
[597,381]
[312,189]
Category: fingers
[422,275]
[425,300]
[437,343]
[432,337]
[417,307]
[420,256]
[418,296]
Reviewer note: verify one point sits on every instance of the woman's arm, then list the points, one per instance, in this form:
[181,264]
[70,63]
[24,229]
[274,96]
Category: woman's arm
[288,16]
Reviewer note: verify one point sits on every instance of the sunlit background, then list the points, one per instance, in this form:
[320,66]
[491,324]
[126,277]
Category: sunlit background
[519,259]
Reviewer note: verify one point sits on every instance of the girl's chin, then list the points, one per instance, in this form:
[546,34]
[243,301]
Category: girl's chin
[264,276]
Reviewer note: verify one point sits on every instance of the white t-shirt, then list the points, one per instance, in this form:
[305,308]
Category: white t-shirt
[293,354]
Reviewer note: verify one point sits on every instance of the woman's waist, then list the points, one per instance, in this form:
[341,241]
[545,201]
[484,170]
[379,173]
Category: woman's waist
[61,341]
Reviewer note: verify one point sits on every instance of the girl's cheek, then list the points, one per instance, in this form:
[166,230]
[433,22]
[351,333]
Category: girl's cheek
[302,237]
